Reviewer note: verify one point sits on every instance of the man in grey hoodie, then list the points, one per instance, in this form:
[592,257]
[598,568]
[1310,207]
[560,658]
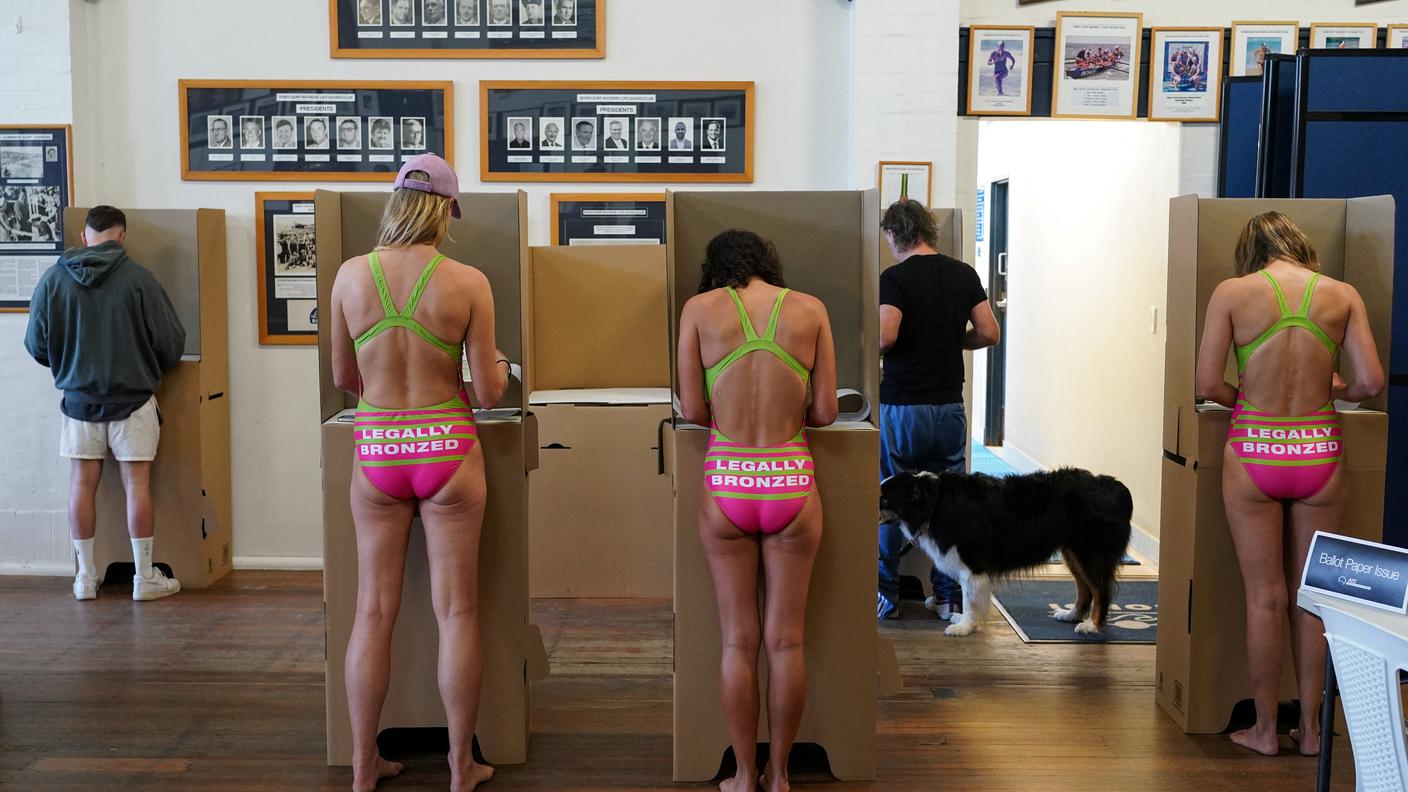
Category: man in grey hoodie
[107,330]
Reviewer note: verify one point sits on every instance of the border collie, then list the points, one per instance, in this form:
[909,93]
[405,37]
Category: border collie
[977,528]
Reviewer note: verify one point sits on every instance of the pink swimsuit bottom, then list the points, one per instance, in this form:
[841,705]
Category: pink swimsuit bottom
[1287,458]
[759,490]
[413,453]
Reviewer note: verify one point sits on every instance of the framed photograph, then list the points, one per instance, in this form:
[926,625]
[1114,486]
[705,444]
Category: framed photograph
[36,184]
[1398,36]
[520,133]
[617,131]
[681,134]
[1185,74]
[608,218]
[508,29]
[1098,56]
[286,248]
[322,130]
[1345,35]
[913,180]
[1253,41]
[999,70]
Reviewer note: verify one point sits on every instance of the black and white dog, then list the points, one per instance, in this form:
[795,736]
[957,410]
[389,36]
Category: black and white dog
[977,528]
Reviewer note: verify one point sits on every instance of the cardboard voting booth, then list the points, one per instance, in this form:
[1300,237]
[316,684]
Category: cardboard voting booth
[828,242]
[1201,663]
[492,237]
[598,379]
[185,250]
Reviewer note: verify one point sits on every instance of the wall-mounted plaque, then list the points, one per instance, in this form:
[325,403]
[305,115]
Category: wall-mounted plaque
[912,180]
[467,28]
[608,218]
[310,130]
[616,131]
[288,268]
[36,183]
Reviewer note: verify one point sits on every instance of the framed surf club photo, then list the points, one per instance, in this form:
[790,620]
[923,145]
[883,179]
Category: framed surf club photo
[1398,36]
[288,268]
[1344,35]
[1097,59]
[1185,74]
[999,70]
[1253,41]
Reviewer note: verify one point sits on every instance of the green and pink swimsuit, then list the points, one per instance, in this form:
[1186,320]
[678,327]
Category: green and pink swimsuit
[412,453]
[760,490]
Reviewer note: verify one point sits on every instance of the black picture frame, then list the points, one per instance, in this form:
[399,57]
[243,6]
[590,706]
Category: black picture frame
[608,218]
[36,185]
[463,29]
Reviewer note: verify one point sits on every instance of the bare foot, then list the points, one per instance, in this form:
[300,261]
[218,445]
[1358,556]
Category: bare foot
[470,777]
[771,783]
[1310,746]
[1263,742]
[366,776]
[743,782]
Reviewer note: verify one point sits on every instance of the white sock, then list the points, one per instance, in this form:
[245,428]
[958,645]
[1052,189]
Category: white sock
[142,556]
[86,564]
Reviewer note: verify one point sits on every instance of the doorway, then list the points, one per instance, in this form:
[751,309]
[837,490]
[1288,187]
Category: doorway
[995,409]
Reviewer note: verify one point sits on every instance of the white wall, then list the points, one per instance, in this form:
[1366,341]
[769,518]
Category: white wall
[35,88]
[127,58]
[1087,264]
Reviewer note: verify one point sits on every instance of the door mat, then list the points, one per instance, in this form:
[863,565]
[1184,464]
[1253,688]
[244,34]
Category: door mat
[1028,604]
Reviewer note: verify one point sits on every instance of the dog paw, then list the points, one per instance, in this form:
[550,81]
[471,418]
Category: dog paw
[1066,615]
[1088,627]
[961,629]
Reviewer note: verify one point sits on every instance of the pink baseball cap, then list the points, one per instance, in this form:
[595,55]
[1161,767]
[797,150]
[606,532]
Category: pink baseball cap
[443,180]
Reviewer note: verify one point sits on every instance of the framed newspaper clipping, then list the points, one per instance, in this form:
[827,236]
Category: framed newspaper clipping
[608,218]
[616,131]
[467,28]
[288,268]
[36,184]
[311,130]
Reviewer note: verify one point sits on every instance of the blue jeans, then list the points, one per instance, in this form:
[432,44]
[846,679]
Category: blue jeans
[932,437]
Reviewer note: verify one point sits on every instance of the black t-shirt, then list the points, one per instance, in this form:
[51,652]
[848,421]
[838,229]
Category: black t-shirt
[936,294]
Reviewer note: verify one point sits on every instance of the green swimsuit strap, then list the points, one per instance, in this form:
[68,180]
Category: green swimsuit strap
[1301,319]
[404,318]
[752,343]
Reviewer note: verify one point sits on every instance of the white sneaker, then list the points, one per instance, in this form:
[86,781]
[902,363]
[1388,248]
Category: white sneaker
[154,587]
[85,587]
[943,610]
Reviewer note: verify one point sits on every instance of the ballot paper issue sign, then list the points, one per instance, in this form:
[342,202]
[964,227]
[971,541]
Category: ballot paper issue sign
[1353,569]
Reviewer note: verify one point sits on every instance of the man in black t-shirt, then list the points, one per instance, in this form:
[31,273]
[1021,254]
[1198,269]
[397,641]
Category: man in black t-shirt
[927,302]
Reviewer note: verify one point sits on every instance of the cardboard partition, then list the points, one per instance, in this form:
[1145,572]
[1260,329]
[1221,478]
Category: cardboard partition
[828,242]
[1201,665]
[598,363]
[491,237]
[185,250]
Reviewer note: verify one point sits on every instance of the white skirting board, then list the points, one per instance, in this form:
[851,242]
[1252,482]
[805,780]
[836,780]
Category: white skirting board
[290,563]
[65,569]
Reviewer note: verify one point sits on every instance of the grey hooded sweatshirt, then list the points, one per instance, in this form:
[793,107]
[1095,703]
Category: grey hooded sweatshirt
[106,329]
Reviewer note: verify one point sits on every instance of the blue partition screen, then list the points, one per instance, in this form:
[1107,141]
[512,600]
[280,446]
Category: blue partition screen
[1276,139]
[1241,119]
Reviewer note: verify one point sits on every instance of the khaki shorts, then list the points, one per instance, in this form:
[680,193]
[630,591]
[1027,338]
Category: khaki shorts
[133,439]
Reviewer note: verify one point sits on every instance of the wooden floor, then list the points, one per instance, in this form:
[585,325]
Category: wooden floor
[222,689]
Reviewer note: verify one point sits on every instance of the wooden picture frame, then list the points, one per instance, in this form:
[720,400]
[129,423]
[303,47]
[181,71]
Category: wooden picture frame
[491,125]
[263,272]
[1368,33]
[1245,33]
[976,104]
[1176,104]
[445,132]
[1397,37]
[555,201]
[1087,26]
[596,51]
[51,253]
[900,168]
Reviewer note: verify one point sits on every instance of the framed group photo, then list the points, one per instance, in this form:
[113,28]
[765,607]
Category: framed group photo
[608,218]
[999,70]
[287,253]
[1253,41]
[616,131]
[311,130]
[1097,58]
[36,185]
[1344,35]
[1185,74]
[912,180]
[467,28]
